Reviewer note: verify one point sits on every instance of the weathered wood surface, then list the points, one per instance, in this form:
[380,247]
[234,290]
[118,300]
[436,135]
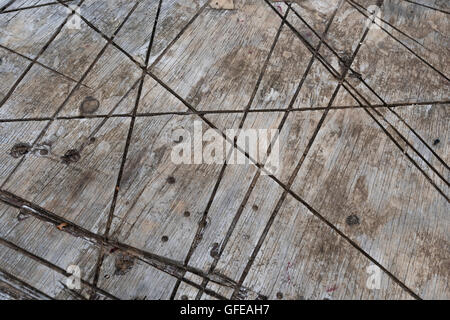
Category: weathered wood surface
[357,187]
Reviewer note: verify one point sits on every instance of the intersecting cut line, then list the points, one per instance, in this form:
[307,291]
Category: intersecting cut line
[307,44]
[6,5]
[336,74]
[395,113]
[52,266]
[403,150]
[33,7]
[297,168]
[10,92]
[215,128]
[257,175]
[427,6]
[47,44]
[110,40]
[207,121]
[136,83]
[29,290]
[74,89]
[167,265]
[411,129]
[127,145]
[331,69]
[389,108]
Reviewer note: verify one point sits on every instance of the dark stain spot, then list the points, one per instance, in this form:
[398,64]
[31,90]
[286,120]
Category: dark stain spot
[19,150]
[184,297]
[106,276]
[123,264]
[71,156]
[89,105]
[215,250]
[352,220]
[279,295]
[92,140]
[43,152]
[165,238]
[436,142]
[170,180]
[187,214]
[261,297]
[255,207]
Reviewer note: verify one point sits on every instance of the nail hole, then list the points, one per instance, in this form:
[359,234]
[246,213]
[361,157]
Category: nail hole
[184,297]
[436,142]
[165,238]
[279,295]
[187,214]
[255,207]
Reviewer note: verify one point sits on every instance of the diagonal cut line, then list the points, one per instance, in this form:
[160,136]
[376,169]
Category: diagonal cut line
[169,266]
[180,97]
[6,5]
[22,76]
[291,181]
[334,73]
[41,64]
[318,56]
[427,6]
[257,175]
[22,286]
[231,111]
[75,88]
